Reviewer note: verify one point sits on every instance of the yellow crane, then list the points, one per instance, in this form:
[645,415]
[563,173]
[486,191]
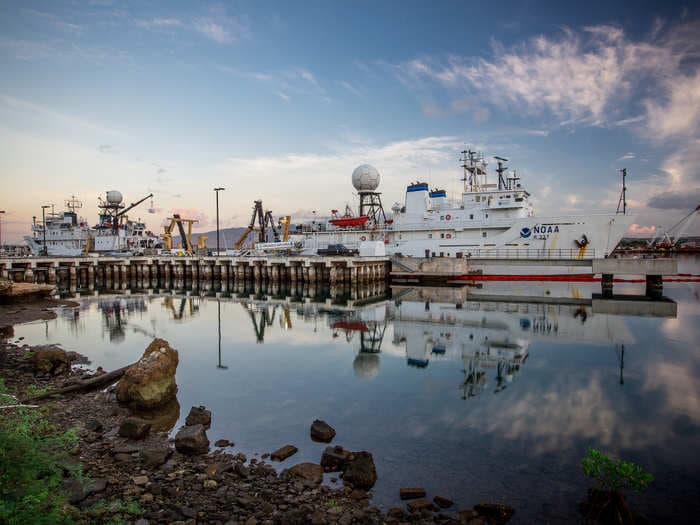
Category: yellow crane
[185,237]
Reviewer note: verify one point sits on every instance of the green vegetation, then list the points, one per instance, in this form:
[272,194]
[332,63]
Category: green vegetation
[614,476]
[32,464]
[113,512]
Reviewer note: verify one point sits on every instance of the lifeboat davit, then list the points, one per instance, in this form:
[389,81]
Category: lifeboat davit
[349,221]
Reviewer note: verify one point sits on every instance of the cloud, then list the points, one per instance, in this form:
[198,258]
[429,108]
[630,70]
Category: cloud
[213,30]
[574,76]
[351,88]
[678,114]
[295,80]
[638,229]
[216,26]
[27,49]
[193,213]
[681,200]
[627,156]
[160,23]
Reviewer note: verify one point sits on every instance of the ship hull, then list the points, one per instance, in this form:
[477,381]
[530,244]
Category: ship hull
[546,239]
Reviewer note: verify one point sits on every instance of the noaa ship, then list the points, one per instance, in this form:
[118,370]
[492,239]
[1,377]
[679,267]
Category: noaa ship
[493,220]
[65,234]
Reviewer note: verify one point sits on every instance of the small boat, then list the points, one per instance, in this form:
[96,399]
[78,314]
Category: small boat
[345,222]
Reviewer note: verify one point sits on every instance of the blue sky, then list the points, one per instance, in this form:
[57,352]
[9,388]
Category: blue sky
[281,100]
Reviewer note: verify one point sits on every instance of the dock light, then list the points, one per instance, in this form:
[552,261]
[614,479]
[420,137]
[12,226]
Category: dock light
[43,220]
[2,212]
[217,190]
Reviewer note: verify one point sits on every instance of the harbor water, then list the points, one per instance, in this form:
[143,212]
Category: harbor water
[473,399]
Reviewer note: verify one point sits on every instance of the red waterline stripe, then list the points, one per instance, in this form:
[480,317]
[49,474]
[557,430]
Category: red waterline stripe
[573,277]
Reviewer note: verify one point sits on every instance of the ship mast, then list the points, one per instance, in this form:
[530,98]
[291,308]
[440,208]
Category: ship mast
[622,203]
[474,166]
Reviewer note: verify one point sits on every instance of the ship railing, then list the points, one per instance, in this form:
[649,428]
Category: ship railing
[531,253]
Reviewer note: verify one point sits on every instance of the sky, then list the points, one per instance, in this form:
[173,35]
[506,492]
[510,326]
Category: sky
[282,100]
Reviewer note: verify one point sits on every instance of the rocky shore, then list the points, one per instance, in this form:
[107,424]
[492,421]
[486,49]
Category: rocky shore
[134,472]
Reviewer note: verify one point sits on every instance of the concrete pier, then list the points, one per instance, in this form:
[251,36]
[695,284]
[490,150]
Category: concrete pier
[145,272]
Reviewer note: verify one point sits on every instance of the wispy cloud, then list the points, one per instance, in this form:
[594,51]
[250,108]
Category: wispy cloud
[214,30]
[627,156]
[284,83]
[216,25]
[351,88]
[160,23]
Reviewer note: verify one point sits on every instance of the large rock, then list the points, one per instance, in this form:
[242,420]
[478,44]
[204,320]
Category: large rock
[335,458]
[360,471]
[192,440]
[50,360]
[322,431]
[497,513]
[134,428]
[283,453]
[150,382]
[198,416]
[311,472]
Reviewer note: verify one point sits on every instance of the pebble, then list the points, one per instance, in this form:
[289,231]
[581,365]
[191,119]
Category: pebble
[140,480]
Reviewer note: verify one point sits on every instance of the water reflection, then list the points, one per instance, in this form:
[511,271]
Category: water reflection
[472,393]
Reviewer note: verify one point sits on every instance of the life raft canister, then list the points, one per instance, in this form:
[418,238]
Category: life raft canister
[583,242]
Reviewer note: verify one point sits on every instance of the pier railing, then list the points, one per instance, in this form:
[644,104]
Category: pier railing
[531,253]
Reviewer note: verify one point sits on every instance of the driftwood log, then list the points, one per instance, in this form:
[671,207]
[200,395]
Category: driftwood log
[83,386]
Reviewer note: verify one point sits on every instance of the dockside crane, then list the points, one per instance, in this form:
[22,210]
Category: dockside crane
[264,223]
[670,238]
[185,237]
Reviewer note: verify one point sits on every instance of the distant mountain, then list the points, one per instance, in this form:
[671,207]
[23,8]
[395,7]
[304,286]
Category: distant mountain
[227,237]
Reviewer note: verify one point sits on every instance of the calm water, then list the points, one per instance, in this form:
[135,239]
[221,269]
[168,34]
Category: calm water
[473,399]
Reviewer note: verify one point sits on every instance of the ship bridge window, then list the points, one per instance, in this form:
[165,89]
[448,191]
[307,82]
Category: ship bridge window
[478,198]
[430,236]
[483,234]
[471,216]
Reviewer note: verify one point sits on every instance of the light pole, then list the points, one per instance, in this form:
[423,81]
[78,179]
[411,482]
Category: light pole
[2,212]
[43,219]
[217,190]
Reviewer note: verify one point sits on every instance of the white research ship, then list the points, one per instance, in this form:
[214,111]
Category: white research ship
[65,234]
[491,220]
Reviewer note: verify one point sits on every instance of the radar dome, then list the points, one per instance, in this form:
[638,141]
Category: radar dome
[114,197]
[366,365]
[365,178]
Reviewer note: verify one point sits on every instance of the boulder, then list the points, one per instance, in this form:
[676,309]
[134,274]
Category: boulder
[150,382]
[498,513]
[311,472]
[360,471]
[223,443]
[134,428]
[442,502]
[419,505]
[50,360]
[283,453]
[199,416]
[192,440]
[155,456]
[335,458]
[411,493]
[322,431]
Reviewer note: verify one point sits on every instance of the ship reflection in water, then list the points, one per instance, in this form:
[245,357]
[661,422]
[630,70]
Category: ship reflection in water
[475,393]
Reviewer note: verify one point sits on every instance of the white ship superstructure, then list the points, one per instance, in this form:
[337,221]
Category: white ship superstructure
[494,220]
[65,234]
